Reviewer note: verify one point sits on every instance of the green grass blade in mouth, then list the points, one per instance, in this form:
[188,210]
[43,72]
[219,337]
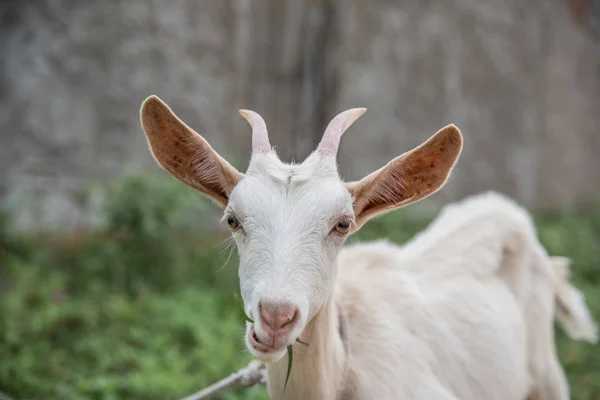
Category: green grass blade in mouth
[290,358]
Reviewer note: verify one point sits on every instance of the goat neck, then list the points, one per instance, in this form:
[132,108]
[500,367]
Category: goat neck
[319,371]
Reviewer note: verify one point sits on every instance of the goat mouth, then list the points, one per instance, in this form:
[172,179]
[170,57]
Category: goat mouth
[257,344]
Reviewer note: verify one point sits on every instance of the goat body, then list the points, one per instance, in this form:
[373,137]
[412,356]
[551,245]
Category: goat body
[463,311]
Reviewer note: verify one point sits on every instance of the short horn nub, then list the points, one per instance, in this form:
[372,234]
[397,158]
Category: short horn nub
[260,137]
[336,128]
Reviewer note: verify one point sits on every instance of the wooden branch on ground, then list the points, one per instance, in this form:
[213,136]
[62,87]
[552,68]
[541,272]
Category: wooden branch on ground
[254,373]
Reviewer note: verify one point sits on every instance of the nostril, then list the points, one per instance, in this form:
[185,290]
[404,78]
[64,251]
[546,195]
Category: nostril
[278,315]
[291,319]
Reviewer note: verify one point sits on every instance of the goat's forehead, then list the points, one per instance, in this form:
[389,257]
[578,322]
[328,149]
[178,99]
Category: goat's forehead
[308,185]
[269,165]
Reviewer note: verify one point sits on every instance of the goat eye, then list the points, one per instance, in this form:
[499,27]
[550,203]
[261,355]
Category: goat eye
[233,222]
[343,227]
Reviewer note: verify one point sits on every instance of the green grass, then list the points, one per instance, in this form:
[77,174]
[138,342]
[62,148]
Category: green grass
[143,308]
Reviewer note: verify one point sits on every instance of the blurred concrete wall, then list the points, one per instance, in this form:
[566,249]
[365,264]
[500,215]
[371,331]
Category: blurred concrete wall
[521,79]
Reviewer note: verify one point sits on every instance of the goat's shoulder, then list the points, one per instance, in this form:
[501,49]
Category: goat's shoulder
[368,255]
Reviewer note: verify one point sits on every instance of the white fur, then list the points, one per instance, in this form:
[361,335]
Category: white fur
[286,249]
[463,311]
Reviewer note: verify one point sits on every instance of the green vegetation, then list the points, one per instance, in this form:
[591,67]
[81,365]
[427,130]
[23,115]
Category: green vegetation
[143,308]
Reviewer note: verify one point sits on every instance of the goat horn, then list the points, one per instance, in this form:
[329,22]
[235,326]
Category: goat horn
[260,137]
[333,133]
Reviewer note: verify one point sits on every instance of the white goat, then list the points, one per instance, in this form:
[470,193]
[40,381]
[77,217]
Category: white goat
[463,311]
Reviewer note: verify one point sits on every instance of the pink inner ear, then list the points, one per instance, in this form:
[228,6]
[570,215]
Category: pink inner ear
[185,154]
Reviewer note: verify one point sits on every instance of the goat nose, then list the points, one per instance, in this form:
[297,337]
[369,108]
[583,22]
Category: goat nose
[277,315]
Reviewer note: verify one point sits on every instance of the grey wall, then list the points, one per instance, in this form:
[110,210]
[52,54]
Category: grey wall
[521,79]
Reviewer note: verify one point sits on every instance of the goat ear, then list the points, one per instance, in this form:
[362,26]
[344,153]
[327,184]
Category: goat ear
[408,178]
[185,154]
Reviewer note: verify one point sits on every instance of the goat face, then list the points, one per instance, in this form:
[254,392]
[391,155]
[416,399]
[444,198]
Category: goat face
[289,221]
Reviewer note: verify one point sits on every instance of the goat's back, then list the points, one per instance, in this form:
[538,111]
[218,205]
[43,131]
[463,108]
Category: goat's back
[442,316]
[430,335]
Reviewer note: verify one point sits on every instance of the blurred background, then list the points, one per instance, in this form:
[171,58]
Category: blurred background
[117,282]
